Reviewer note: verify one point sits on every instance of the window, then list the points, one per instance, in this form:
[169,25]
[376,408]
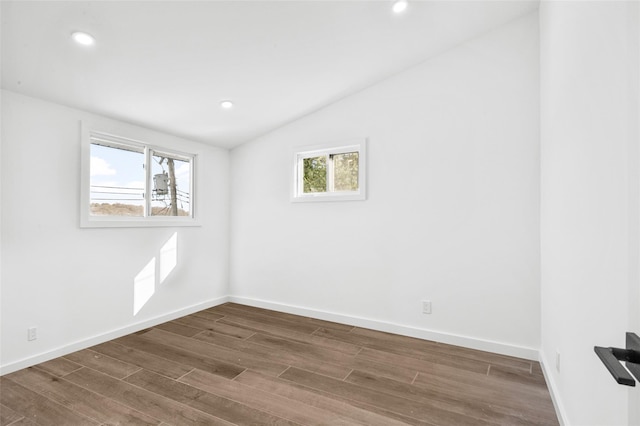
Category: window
[333,172]
[131,183]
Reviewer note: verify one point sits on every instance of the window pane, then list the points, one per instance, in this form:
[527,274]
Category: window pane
[345,171]
[315,174]
[117,182]
[171,186]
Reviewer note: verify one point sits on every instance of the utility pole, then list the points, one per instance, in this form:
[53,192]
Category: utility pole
[172,187]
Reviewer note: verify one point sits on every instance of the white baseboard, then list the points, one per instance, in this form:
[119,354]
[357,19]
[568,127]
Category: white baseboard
[553,390]
[114,334]
[452,339]
[448,338]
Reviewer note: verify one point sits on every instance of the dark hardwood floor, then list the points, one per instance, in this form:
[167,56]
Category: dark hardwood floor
[235,364]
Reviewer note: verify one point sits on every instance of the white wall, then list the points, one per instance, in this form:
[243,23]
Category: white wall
[452,213]
[589,207]
[76,285]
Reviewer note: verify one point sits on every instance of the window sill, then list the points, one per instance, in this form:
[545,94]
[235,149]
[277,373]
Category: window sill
[143,222]
[328,197]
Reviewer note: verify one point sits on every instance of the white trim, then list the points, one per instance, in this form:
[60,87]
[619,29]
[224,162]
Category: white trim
[110,335]
[420,333]
[352,145]
[141,222]
[88,132]
[561,413]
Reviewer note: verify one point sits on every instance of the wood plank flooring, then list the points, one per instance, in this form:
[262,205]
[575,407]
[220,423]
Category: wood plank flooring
[235,364]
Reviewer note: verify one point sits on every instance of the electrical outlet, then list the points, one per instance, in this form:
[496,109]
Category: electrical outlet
[32,333]
[558,360]
[426,306]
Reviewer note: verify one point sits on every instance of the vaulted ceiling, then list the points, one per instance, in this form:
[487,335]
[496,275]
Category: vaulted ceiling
[167,65]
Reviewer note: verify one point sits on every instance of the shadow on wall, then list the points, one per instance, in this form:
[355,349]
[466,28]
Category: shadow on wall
[154,273]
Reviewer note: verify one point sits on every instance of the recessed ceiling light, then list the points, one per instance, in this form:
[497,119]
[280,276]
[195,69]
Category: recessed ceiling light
[226,104]
[400,6]
[83,38]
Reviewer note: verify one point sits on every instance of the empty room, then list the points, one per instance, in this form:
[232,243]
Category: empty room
[375,212]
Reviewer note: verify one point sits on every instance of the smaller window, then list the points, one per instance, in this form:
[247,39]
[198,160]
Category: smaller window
[334,172]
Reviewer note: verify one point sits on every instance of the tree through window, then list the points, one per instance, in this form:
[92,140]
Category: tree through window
[330,173]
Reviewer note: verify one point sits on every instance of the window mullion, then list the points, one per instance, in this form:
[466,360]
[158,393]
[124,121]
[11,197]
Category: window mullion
[147,182]
[330,174]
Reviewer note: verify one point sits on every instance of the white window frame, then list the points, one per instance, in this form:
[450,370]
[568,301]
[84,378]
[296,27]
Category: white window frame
[356,145]
[89,221]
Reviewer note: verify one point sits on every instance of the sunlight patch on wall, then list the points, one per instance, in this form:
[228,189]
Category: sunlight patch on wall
[155,273]
[144,286]
[168,257]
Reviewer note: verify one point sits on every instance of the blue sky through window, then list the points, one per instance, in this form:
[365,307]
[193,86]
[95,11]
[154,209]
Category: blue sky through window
[117,175]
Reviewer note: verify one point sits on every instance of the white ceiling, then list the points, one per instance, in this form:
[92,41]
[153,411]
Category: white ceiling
[167,65]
